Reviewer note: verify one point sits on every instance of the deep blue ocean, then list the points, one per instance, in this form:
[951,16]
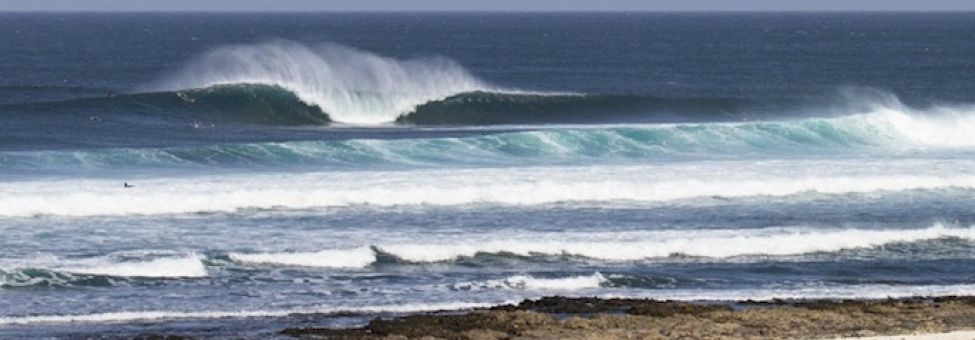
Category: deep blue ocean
[235,174]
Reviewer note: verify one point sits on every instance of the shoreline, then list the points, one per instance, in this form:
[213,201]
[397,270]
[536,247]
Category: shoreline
[595,318]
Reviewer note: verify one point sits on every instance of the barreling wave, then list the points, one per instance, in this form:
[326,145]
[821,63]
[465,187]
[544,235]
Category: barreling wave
[287,83]
[272,105]
[350,85]
[357,87]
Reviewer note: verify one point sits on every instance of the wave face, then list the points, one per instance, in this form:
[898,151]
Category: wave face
[350,85]
[484,108]
[258,104]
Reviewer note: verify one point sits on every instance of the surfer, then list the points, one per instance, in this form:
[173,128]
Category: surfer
[127,185]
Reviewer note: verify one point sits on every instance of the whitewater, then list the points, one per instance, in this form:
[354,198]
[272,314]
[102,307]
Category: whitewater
[230,175]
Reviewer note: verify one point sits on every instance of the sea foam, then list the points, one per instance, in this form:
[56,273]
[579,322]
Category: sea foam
[506,186]
[332,258]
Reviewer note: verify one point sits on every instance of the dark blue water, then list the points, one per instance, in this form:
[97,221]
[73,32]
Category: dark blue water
[373,164]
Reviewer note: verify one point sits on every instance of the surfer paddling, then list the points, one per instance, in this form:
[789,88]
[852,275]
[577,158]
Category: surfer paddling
[127,185]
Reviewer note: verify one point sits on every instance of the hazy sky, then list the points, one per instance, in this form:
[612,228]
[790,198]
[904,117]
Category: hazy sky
[486,5]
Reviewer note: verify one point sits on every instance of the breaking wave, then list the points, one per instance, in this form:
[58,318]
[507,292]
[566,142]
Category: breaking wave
[618,246]
[350,85]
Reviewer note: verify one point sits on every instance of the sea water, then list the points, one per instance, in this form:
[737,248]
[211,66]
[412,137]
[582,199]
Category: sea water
[359,165]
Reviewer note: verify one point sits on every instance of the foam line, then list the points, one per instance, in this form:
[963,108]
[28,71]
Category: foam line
[507,186]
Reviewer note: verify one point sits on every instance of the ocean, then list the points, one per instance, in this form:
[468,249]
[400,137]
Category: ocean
[232,174]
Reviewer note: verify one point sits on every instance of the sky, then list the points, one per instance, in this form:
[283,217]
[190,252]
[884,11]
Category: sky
[487,5]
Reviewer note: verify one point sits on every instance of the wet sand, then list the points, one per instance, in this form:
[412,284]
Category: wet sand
[591,318]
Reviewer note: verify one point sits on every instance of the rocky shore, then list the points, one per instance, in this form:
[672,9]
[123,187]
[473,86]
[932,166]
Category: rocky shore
[591,318]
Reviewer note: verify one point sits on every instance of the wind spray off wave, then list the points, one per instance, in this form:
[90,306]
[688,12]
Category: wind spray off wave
[349,85]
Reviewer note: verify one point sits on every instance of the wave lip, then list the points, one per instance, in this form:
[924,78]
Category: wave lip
[332,258]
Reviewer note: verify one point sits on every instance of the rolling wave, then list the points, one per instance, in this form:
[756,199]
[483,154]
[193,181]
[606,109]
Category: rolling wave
[884,129]
[617,246]
[716,245]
